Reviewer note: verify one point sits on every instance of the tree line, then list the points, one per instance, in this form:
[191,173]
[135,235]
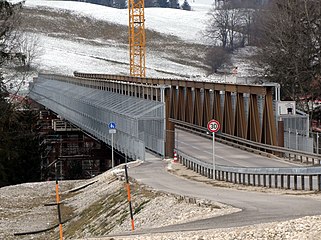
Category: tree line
[148,3]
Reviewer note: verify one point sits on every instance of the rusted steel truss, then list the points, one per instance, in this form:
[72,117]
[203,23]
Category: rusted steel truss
[236,107]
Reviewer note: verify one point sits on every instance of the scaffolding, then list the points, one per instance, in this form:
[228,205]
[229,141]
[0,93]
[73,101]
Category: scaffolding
[75,154]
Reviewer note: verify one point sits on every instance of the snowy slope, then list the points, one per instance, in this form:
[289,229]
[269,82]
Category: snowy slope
[187,25]
[65,56]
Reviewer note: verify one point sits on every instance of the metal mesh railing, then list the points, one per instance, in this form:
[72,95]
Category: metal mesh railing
[296,133]
[92,110]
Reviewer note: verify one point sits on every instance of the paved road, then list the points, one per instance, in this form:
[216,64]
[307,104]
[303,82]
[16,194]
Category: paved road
[201,148]
[257,207]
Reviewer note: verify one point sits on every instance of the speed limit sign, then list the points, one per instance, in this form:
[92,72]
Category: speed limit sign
[213,126]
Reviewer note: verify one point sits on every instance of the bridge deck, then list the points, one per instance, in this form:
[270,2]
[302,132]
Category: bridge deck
[201,148]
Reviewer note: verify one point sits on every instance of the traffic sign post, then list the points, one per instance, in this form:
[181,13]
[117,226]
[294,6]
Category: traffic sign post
[213,126]
[112,130]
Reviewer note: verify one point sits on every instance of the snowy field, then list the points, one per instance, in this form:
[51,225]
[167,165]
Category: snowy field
[187,25]
[64,55]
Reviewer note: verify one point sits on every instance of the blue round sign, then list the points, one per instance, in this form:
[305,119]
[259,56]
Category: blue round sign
[111,125]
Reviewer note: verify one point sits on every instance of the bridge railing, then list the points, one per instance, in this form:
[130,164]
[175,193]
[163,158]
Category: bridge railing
[297,178]
[259,148]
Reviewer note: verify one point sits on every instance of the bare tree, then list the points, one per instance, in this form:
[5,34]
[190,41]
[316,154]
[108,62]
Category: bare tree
[225,26]
[224,31]
[217,28]
[18,50]
[9,20]
[247,28]
[290,48]
[30,49]
[235,26]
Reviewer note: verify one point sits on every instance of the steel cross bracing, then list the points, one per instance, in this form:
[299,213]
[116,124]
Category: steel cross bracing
[137,42]
[138,110]
[245,111]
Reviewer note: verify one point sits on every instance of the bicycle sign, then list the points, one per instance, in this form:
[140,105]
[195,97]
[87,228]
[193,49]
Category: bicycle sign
[213,126]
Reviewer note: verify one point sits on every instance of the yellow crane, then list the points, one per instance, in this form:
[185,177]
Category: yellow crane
[137,40]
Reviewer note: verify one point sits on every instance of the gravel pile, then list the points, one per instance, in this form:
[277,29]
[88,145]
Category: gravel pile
[168,209]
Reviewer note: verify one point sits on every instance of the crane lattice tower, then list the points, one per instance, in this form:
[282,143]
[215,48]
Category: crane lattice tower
[137,41]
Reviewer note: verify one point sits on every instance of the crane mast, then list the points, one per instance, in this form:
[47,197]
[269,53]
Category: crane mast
[137,41]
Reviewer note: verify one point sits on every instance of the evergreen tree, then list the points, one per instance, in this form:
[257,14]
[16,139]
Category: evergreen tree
[186,6]
[150,3]
[173,4]
[19,145]
[163,3]
[4,110]
[120,4]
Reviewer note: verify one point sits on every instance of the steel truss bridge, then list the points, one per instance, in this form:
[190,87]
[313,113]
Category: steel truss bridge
[146,109]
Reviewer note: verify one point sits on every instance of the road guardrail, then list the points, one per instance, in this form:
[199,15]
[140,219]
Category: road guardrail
[296,178]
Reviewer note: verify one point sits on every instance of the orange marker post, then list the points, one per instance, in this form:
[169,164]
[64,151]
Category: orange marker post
[129,199]
[58,205]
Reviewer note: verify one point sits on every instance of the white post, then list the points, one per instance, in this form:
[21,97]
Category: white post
[213,155]
[296,139]
[112,151]
[176,138]
[289,138]
[317,143]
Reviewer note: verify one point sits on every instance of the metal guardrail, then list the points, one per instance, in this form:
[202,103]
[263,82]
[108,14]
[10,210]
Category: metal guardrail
[298,178]
[260,148]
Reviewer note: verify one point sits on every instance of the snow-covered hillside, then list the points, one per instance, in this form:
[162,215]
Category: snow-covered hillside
[178,53]
[187,25]
[77,36]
